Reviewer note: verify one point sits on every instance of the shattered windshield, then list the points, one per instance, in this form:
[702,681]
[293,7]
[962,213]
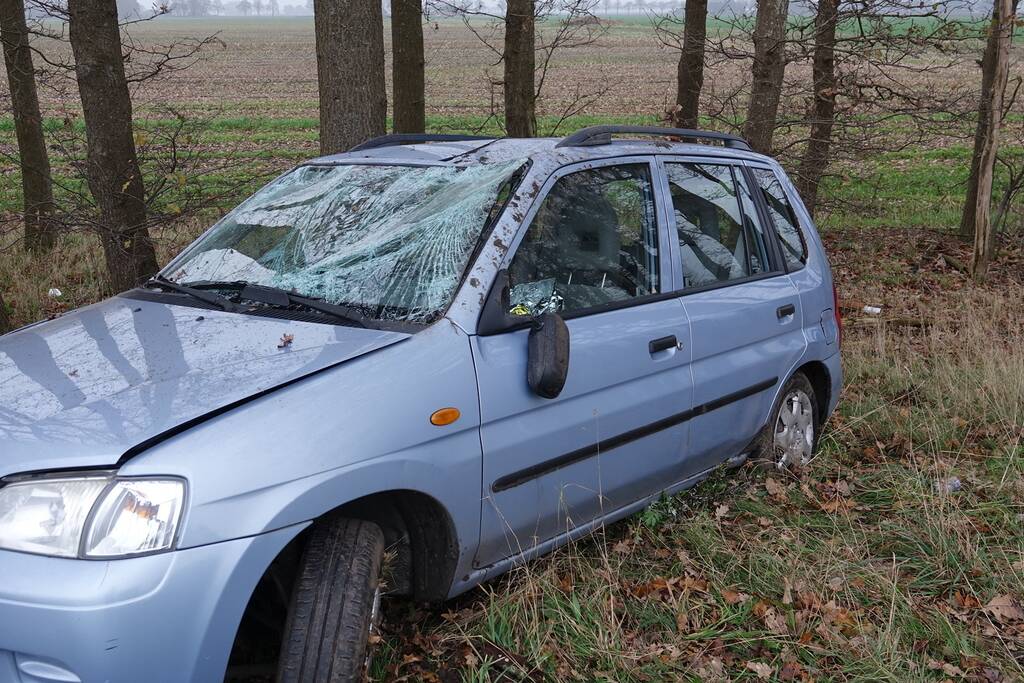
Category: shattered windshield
[389,241]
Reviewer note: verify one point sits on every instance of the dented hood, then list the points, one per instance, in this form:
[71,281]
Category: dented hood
[82,390]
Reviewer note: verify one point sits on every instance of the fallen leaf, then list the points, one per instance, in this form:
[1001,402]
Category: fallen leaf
[622,546]
[946,668]
[763,671]
[734,597]
[837,505]
[775,622]
[791,671]
[286,341]
[776,489]
[1004,608]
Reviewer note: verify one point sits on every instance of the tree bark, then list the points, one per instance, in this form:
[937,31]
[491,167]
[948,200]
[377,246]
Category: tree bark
[40,231]
[986,145]
[407,66]
[690,76]
[350,70]
[967,220]
[5,320]
[115,178]
[823,111]
[520,75]
[768,71]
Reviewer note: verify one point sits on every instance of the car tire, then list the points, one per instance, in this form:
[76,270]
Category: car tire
[797,399]
[334,605]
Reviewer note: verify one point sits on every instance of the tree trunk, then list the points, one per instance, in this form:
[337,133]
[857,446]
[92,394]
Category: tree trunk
[986,143]
[823,111]
[980,131]
[768,71]
[40,231]
[407,66]
[690,76]
[350,69]
[520,87]
[115,178]
[5,320]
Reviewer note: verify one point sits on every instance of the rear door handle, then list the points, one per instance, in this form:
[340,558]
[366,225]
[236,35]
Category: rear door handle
[787,310]
[662,344]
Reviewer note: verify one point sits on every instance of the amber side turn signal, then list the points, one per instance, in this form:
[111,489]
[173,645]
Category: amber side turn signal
[444,416]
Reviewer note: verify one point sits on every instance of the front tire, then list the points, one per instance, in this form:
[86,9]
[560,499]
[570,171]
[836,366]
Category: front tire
[334,605]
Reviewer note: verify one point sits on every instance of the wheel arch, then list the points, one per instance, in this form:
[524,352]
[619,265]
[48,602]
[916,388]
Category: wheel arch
[817,373]
[422,553]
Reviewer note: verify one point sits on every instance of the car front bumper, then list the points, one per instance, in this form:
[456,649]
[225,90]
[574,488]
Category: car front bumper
[161,618]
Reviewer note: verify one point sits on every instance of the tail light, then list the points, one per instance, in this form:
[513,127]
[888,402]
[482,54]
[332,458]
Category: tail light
[838,314]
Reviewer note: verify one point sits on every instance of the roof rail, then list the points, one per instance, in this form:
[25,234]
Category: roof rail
[413,139]
[602,135]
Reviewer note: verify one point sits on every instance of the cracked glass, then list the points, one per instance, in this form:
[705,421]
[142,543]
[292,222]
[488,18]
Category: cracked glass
[391,242]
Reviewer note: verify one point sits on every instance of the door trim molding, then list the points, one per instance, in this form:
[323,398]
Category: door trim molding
[526,474]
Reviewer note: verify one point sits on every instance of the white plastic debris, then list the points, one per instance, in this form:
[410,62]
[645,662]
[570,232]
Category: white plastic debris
[872,310]
[951,485]
[54,293]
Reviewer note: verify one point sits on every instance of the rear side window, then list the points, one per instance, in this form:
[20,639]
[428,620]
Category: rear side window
[593,242]
[794,245]
[719,239]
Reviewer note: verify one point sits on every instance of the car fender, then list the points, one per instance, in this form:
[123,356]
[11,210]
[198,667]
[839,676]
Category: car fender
[354,430]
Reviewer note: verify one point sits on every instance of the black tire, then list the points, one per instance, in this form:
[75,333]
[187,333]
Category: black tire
[765,454]
[329,619]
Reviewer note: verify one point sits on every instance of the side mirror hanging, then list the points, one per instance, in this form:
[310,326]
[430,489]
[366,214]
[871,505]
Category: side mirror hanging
[547,365]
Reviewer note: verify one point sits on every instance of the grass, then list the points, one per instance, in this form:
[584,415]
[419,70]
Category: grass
[860,569]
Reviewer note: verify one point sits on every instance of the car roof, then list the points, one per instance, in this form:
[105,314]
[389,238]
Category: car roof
[469,152]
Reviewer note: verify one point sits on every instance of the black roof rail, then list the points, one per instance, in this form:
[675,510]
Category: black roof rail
[414,139]
[602,135]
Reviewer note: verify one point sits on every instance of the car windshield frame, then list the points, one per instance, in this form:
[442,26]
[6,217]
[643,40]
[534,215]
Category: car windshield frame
[491,200]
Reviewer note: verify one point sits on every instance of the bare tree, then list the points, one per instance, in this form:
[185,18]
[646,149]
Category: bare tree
[5,320]
[768,73]
[986,140]
[350,70]
[407,66]
[115,178]
[36,187]
[556,25]
[988,72]
[519,56]
[823,110]
[690,75]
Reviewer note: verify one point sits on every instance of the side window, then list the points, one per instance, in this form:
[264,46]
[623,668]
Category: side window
[794,245]
[758,246]
[594,241]
[718,239]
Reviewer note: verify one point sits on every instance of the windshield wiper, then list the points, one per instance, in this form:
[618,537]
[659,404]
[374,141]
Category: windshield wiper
[159,281]
[282,298]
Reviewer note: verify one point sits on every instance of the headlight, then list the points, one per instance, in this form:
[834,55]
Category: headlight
[90,516]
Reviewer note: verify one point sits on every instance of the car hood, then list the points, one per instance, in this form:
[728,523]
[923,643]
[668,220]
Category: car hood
[85,388]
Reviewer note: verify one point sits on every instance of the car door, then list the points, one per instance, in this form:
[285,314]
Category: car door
[592,250]
[743,310]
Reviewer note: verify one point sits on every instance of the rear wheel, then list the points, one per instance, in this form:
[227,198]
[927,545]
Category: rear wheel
[335,606]
[790,439]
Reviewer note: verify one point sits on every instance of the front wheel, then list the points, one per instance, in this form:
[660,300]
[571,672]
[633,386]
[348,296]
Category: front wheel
[335,605]
[790,438]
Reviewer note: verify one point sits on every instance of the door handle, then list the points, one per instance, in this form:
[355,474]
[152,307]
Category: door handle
[783,311]
[662,344]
